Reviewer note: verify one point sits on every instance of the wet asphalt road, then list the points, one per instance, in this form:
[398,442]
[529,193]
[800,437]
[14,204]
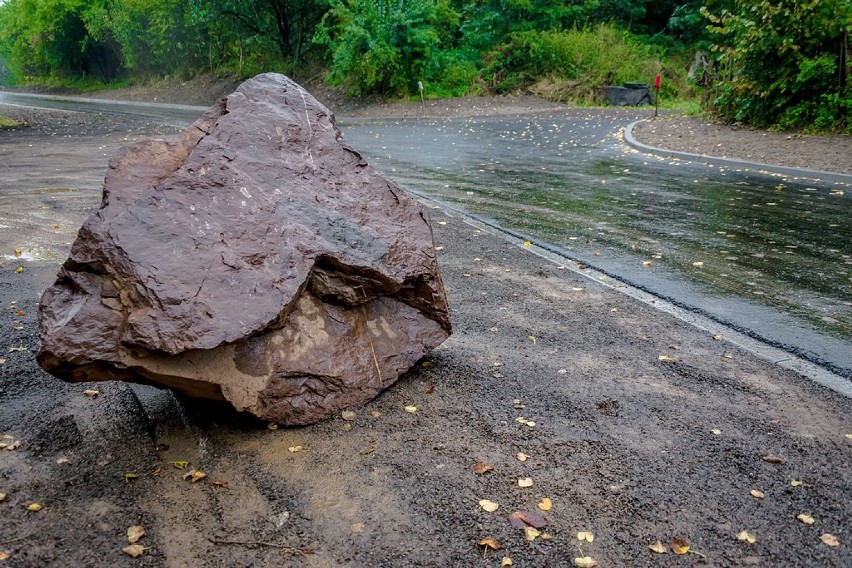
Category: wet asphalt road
[767,256]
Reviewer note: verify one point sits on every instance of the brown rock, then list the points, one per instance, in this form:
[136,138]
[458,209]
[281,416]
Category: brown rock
[256,259]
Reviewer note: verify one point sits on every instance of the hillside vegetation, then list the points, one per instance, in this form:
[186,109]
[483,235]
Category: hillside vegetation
[775,63]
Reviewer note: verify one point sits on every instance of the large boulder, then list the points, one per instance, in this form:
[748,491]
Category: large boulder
[256,259]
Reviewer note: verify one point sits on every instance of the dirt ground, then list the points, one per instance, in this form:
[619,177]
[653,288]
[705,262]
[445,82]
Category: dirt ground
[636,426]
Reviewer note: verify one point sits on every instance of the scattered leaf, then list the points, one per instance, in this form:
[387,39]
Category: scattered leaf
[357,527]
[523,519]
[577,289]
[134,533]
[585,562]
[698,264]
[757,494]
[527,243]
[375,413]
[194,476]
[348,415]
[522,456]
[795,483]
[412,409]
[679,546]
[481,467]
[272,426]
[531,533]
[2,361]
[505,562]
[665,357]
[658,547]
[849,436]
[546,536]
[220,483]
[489,506]
[19,269]
[545,504]
[524,421]
[368,450]
[805,518]
[830,539]
[91,393]
[35,507]
[20,313]
[586,536]
[426,364]
[719,337]
[525,482]
[129,476]
[17,349]
[716,431]
[5,555]
[533,339]
[489,542]
[294,449]
[18,252]
[180,464]
[134,550]
[13,446]
[2,496]
[746,537]
[61,460]
[772,458]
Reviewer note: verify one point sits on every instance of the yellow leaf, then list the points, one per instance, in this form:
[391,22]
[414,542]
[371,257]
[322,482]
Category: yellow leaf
[134,550]
[18,252]
[830,539]
[294,449]
[375,413]
[5,555]
[795,483]
[546,536]
[19,269]
[647,263]
[489,506]
[679,546]
[525,482]
[805,518]
[2,496]
[527,243]
[505,562]
[757,494]
[585,562]
[180,464]
[129,476]
[658,547]
[481,467]
[91,393]
[35,507]
[522,456]
[587,536]
[489,542]
[272,426]
[745,536]
[134,533]
[533,339]
[545,504]
[531,533]
[412,409]
[194,475]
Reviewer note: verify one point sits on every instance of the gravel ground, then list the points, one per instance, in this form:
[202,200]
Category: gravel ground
[637,428]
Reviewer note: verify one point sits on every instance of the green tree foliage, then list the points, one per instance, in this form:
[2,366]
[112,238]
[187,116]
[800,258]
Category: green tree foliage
[784,62]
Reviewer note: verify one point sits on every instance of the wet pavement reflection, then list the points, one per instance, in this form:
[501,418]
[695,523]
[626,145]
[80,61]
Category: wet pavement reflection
[765,254]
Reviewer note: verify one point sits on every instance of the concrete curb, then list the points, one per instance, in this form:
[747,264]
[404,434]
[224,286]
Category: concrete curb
[757,167]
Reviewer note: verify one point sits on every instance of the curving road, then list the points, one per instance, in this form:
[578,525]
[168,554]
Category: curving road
[769,256]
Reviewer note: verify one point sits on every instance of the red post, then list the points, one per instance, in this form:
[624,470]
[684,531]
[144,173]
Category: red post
[657,83]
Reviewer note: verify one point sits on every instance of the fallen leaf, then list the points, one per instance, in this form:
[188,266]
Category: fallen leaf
[658,547]
[129,476]
[375,413]
[61,460]
[18,252]
[746,537]
[546,536]
[585,562]
[698,264]
[715,431]
[180,464]
[91,393]
[220,483]
[272,426]
[2,496]
[5,555]
[134,550]
[533,339]
[522,456]
[426,364]
[805,518]
[35,507]
[194,475]
[348,415]
[665,358]
[368,450]
[795,483]
[757,494]
[647,263]
[2,361]
[505,562]
[481,467]
[830,539]
[849,436]
[545,504]
[294,449]
[719,337]
[17,349]
[13,446]
[523,519]
[20,313]
[489,542]
[412,409]
[587,536]
[527,243]
[525,482]
[531,533]
[357,527]
[489,506]
[772,458]
[679,546]
[134,533]
[19,269]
